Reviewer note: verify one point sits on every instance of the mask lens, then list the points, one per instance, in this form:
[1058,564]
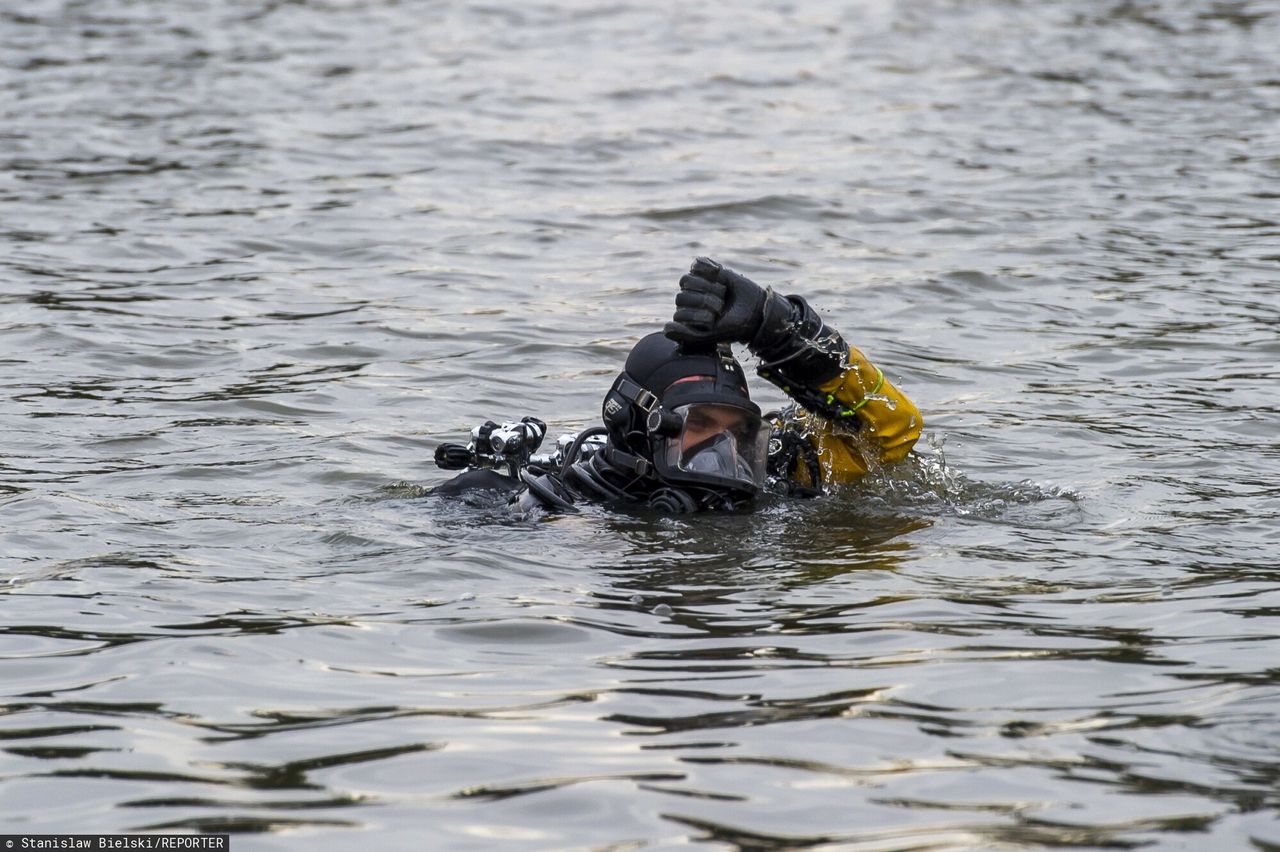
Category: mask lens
[719,444]
[716,455]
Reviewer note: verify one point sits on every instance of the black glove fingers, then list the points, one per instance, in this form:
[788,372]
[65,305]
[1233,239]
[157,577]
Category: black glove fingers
[716,305]
[701,284]
[732,280]
[705,267]
[712,302]
[682,333]
[694,318]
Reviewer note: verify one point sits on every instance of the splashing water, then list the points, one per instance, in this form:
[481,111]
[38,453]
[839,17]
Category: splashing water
[927,484]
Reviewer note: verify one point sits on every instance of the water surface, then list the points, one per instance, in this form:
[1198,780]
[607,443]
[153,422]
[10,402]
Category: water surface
[257,259]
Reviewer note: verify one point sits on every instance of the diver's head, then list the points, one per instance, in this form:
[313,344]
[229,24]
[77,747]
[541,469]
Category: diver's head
[684,418]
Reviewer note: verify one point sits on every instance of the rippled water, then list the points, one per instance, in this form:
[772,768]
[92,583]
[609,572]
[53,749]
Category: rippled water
[257,258]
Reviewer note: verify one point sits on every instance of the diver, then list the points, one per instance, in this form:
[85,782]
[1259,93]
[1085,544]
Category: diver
[680,432]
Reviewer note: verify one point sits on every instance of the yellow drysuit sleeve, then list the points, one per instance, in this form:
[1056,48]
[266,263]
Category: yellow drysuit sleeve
[888,423]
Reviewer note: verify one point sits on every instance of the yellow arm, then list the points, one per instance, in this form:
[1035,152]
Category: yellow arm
[889,423]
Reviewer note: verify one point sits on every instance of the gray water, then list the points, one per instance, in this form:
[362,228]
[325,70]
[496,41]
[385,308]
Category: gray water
[258,258]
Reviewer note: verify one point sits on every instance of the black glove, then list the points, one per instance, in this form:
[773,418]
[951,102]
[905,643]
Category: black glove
[717,305]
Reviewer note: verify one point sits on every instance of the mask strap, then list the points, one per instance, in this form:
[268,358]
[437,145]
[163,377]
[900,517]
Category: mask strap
[643,398]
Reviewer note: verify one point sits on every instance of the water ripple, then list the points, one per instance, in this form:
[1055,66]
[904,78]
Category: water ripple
[260,258]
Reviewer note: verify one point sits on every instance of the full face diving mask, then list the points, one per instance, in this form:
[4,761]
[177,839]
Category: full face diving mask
[714,446]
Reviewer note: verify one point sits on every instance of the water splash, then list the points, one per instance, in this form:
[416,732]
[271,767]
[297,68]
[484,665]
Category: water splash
[926,483]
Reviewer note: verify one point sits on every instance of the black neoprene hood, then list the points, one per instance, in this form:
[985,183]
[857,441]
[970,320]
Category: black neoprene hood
[678,377]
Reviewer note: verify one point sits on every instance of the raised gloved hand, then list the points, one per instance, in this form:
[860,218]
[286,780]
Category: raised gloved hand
[717,305]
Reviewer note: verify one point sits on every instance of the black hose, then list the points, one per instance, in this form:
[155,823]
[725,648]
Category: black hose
[571,455]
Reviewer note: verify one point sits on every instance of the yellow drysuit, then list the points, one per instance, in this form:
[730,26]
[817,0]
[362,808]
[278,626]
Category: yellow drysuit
[857,420]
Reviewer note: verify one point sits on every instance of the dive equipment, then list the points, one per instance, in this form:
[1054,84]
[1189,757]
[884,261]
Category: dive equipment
[495,445]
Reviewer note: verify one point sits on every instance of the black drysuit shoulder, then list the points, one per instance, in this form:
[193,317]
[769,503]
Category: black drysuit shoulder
[475,481]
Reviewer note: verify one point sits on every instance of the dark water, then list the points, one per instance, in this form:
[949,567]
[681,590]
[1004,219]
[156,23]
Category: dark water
[258,258]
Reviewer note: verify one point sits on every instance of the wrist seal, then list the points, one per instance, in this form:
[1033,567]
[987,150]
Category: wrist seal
[795,346]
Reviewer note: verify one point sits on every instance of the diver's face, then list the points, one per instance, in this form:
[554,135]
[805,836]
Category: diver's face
[707,421]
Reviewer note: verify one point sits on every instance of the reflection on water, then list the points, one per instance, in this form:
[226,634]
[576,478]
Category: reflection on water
[260,258]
